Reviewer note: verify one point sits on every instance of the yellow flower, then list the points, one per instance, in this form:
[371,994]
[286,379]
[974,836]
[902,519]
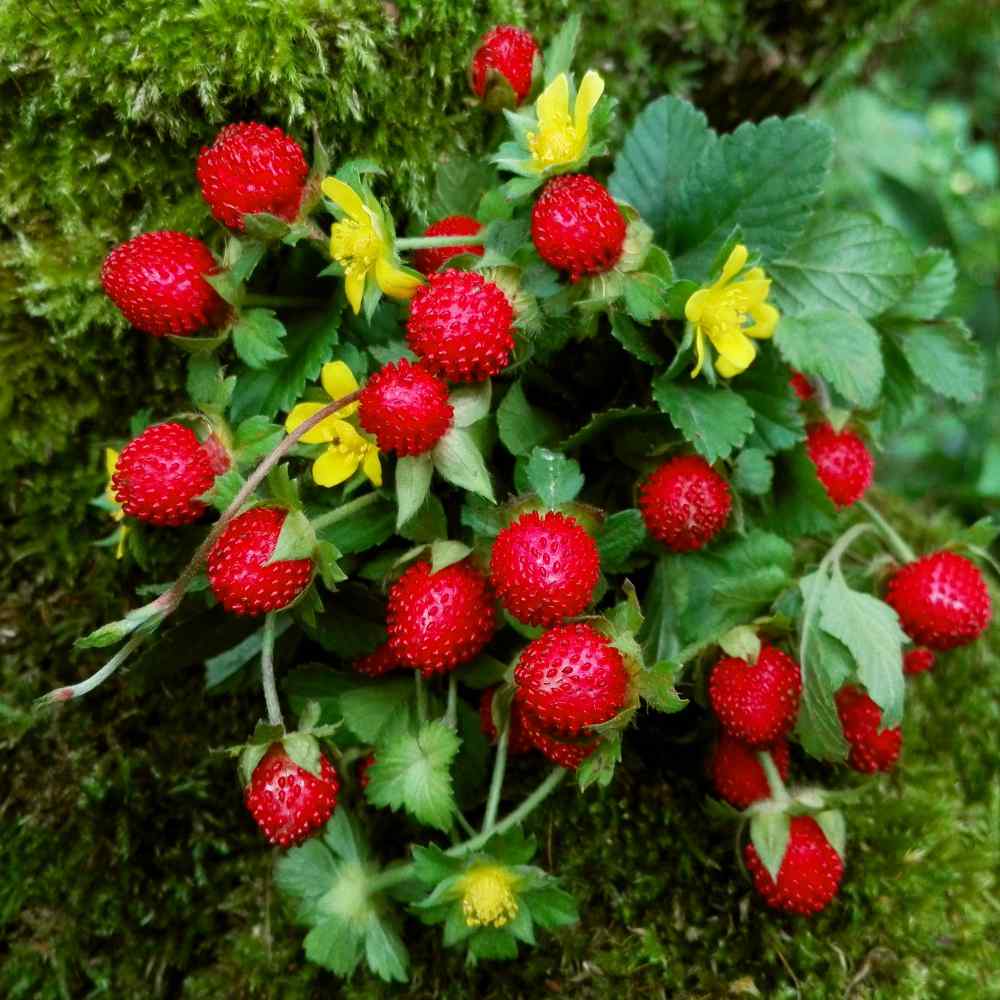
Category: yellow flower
[729,313]
[561,137]
[347,448]
[362,245]
[110,461]
[487,897]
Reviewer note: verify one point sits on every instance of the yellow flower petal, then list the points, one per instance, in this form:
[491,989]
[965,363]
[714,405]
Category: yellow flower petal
[735,349]
[372,467]
[733,265]
[354,286]
[725,369]
[695,305]
[752,292]
[553,102]
[338,380]
[345,197]
[699,350]
[335,466]
[394,281]
[120,547]
[591,88]
[766,317]
[110,461]
[323,433]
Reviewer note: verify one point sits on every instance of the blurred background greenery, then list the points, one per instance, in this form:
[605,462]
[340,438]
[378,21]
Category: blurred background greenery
[127,865]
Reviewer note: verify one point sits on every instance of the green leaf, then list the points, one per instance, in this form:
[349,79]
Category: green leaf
[870,629]
[840,347]
[483,517]
[715,421]
[647,298]
[769,833]
[551,906]
[778,423]
[336,945]
[445,553]
[297,539]
[327,556]
[265,227]
[845,261]
[662,147]
[207,385]
[657,687]
[554,477]
[753,472]
[831,822]
[945,358]
[661,605]
[599,767]
[460,462]
[980,535]
[369,708]
[430,522]
[413,482]
[619,536]
[470,402]
[432,866]
[359,534]
[801,504]
[308,345]
[634,339]
[385,952]
[458,185]
[933,289]
[282,488]
[257,337]
[256,437]
[559,52]
[522,426]
[764,178]
[412,772]
[146,618]
[223,666]
[224,490]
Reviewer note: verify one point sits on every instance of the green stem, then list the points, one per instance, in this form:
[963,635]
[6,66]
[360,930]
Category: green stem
[95,679]
[344,510]
[895,540]
[778,791]
[451,711]
[464,823]
[421,689]
[252,299]
[496,782]
[432,242]
[402,872]
[267,673]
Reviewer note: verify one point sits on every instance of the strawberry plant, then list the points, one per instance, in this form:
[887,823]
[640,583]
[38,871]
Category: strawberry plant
[580,457]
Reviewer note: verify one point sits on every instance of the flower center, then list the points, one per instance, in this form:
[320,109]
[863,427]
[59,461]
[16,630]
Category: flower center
[725,312]
[354,245]
[555,142]
[487,900]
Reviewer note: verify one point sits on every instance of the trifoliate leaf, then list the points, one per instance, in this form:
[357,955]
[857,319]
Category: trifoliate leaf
[554,477]
[385,952]
[257,337]
[657,687]
[369,708]
[753,472]
[224,490]
[619,536]
[932,290]
[715,421]
[335,944]
[522,426]
[207,385]
[256,437]
[647,299]
[944,357]
[634,339]
[365,531]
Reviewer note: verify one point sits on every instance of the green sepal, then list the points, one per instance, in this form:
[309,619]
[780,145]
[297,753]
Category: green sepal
[769,834]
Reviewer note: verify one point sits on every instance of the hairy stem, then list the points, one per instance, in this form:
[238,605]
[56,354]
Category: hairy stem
[496,782]
[451,711]
[895,540]
[97,678]
[778,791]
[344,510]
[432,242]
[267,673]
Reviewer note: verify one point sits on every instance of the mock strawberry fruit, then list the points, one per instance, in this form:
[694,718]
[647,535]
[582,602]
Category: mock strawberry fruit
[508,52]
[577,227]
[737,773]
[861,719]
[555,748]
[382,661]
[571,677]
[810,873]
[238,570]
[801,386]
[160,475]
[544,568]
[252,168]
[518,741]
[431,260]
[843,463]
[918,660]
[287,801]
[756,703]
[685,503]
[440,620]
[157,280]
[942,600]
[406,408]
[460,326]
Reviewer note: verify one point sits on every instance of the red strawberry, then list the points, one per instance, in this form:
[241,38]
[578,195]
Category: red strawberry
[737,774]
[577,227]
[157,280]
[571,677]
[759,703]
[237,569]
[406,408]
[942,600]
[801,386]
[544,568]
[861,718]
[160,475]
[919,660]
[518,741]
[566,753]
[510,52]
[685,503]
[429,261]
[287,801]
[439,620]
[843,463]
[460,326]
[363,765]
[810,872]
[252,168]
[382,661]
